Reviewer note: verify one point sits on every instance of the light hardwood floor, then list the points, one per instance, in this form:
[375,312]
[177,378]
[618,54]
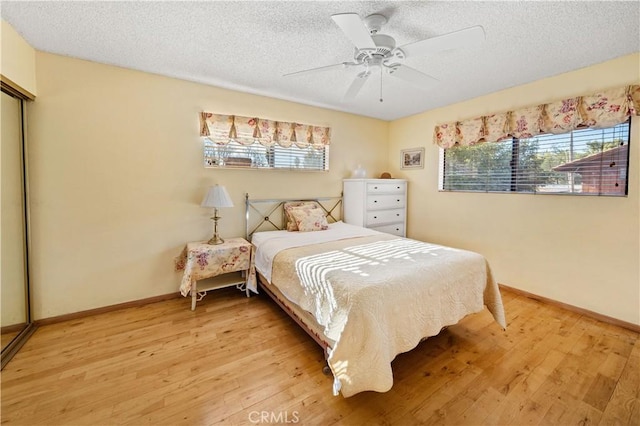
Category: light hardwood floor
[242,361]
[7,337]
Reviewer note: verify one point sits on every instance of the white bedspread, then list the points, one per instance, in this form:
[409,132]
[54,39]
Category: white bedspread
[270,243]
[379,295]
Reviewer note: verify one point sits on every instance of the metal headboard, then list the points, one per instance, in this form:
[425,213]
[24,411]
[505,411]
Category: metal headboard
[268,214]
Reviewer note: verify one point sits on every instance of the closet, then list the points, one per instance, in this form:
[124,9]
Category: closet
[15,314]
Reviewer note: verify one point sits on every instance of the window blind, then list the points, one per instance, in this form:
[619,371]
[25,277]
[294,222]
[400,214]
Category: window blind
[252,142]
[581,162]
[257,156]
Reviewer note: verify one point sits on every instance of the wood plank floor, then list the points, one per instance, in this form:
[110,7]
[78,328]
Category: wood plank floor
[242,361]
[7,337]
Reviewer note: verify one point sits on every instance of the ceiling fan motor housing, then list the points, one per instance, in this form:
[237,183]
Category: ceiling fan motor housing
[384,45]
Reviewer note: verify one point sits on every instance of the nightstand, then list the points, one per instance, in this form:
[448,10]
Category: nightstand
[231,263]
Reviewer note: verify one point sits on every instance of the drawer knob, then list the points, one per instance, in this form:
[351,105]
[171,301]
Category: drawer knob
[375,187]
[375,217]
[398,200]
[375,201]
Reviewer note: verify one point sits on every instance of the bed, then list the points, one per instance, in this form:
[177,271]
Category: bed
[363,295]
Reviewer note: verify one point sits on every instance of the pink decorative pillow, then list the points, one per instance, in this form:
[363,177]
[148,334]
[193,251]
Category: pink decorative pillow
[291,205]
[309,219]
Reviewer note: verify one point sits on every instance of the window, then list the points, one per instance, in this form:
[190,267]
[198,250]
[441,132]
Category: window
[584,162]
[257,143]
[257,156]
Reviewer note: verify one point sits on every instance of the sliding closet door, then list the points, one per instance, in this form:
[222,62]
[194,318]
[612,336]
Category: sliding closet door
[14,295]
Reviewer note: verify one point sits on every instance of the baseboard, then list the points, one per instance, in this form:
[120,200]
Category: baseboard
[105,309]
[585,312]
[142,302]
[12,328]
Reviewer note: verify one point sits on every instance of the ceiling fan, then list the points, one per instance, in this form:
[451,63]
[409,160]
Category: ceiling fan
[379,51]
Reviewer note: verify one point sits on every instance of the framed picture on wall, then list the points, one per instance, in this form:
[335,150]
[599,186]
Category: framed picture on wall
[412,158]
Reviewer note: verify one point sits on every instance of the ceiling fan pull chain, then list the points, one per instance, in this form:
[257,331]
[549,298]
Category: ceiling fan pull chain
[381,73]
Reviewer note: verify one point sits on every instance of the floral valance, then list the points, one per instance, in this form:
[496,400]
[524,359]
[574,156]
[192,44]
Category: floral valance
[600,110]
[223,129]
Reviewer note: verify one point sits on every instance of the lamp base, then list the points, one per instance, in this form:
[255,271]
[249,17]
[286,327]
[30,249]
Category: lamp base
[215,240]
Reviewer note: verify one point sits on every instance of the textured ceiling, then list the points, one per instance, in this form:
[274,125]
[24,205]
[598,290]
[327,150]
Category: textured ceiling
[248,46]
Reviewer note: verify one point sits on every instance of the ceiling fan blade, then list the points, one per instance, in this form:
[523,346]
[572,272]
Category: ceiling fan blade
[321,69]
[413,76]
[467,37]
[356,85]
[353,27]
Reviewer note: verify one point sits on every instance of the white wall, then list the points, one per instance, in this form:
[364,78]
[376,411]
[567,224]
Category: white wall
[583,251]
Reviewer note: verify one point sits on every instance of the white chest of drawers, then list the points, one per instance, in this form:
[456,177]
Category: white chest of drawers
[379,204]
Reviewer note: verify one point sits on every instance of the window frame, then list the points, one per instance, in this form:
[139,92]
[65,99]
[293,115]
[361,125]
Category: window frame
[515,147]
[270,156]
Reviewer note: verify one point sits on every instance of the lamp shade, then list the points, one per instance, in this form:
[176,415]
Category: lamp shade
[216,197]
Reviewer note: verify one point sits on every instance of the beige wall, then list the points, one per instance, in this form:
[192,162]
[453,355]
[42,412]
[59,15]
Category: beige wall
[117,177]
[117,181]
[18,58]
[583,251]
[17,63]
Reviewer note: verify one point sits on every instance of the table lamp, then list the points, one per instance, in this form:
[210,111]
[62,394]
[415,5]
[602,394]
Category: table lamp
[216,197]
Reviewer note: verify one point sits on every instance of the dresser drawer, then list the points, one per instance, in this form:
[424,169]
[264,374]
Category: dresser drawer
[386,188]
[385,216]
[395,229]
[375,202]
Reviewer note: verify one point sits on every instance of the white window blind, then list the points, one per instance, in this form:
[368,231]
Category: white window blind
[258,143]
[257,156]
[581,162]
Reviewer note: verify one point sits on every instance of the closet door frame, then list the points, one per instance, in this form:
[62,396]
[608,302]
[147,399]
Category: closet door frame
[10,88]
